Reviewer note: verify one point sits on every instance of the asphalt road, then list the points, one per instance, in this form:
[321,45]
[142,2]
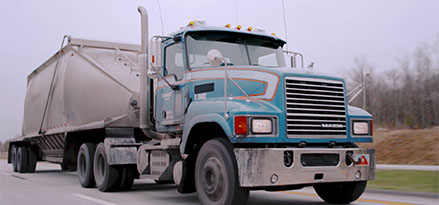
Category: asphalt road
[48,185]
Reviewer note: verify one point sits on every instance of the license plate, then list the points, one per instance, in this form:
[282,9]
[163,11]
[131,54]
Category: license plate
[364,159]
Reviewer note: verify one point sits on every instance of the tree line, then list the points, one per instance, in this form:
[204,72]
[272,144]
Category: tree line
[404,96]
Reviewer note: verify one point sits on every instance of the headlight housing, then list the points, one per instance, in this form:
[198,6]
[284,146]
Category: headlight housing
[255,126]
[262,126]
[362,127]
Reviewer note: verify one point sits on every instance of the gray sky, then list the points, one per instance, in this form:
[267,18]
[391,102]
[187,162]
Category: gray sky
[329,33]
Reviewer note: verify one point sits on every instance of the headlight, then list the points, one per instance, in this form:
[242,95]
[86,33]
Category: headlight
[262,126]
[360,127]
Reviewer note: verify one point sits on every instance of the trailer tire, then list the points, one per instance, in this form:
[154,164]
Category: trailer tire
[22,159]
[32,161]
[85,165]
[216,174]
[341,192]
[14,158]
[127,177]
[106,176]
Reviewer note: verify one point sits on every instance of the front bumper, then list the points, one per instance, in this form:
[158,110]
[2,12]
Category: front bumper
[256,167]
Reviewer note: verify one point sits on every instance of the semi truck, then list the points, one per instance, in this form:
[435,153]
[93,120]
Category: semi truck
[215,110]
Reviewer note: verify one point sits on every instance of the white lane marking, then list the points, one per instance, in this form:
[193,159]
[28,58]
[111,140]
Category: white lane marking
[89,198]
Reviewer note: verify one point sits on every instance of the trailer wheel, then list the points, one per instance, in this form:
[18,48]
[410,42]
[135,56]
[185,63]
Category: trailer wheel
[127,177]
[84,164]
[22,159]
[32,161]
[216,175]
[14,158]
[340,193]
[106,176]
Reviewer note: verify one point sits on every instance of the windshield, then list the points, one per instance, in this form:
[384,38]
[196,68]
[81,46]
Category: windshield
[237,48]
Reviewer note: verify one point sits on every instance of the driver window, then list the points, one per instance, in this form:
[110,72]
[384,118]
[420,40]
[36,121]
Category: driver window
[174,61]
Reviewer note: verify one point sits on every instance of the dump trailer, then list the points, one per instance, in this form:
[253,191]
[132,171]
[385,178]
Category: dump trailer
[214,110]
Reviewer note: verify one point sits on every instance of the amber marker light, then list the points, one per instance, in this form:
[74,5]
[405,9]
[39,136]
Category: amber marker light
[228,25]
[241,125]
[191,23]
[273,34]
[250,29]
[239,27]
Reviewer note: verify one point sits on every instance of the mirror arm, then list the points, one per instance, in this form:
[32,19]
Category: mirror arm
[173,87]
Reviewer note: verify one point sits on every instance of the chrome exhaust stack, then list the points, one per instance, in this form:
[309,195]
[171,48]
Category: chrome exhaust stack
[145,85]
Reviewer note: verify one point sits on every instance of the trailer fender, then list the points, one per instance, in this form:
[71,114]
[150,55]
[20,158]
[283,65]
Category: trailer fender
[120,146]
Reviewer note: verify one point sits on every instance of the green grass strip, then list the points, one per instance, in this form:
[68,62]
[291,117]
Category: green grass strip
[406,180]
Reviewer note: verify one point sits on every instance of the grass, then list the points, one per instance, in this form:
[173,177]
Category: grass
[406,180]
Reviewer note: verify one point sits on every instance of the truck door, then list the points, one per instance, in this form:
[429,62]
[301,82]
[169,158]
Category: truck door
[170,103]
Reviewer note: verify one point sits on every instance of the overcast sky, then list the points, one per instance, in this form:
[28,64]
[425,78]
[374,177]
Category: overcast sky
[329,33]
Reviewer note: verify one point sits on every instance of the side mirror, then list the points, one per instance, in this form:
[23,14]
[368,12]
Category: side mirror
[155,54]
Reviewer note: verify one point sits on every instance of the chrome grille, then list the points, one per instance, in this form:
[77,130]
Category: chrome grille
[315,108]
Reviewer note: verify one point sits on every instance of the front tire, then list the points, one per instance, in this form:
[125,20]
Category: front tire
[216,175]
[85,165]
[106,176]
[341,192]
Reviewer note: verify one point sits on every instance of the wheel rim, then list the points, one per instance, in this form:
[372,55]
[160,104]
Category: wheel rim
[213,178]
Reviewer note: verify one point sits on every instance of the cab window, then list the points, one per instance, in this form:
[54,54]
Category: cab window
[174,61]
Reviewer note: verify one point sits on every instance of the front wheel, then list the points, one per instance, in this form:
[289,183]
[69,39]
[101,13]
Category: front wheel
[216,175]
[341,192]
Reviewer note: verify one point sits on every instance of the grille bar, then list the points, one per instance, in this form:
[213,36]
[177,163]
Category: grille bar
[315,108]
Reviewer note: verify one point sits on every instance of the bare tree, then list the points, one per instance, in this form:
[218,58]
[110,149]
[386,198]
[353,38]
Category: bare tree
[407,95]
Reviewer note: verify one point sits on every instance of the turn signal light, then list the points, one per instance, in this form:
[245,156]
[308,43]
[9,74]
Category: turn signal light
[241,125]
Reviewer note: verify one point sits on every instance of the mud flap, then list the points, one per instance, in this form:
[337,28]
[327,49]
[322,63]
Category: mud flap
[120,146]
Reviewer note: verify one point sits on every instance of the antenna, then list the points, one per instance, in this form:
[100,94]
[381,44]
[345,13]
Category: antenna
[236,12]
[161,18]
[285,24]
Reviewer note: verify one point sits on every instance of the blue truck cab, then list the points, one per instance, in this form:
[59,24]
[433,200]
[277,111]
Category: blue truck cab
[283,127]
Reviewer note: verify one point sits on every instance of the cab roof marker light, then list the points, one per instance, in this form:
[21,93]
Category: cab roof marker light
[239,27]
[228,25]
[250,28]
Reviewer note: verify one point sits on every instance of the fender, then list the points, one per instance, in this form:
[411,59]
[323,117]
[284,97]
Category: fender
[212,117]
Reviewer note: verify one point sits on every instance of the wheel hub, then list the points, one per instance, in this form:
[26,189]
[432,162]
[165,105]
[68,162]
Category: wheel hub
[213,178]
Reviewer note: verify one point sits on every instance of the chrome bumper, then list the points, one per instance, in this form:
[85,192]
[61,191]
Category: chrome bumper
[257,167]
